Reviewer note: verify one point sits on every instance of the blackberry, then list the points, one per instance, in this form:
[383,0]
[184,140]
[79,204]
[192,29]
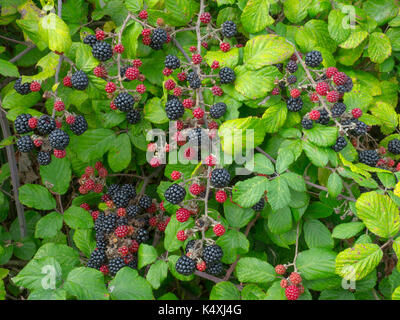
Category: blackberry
[259,205]
[133,116]
[360,128]
[394,146]
[368,157]
[174,109]
[80,80]
[142,235]
[124,101]
[212,254]
[159,36]
[340,144]
[197,135]
[292,79]
[44,158]
[129,189]
[96,259]
[291,67]
[156,46]
[109,223]
[217,110]
[307,123]
[58,139]
[324,117]
[347,87]
[102,51]
[194,80]
[190,245]
[145,202]
[120,199]
[90,39]
[313,59]
[115,265]
[172,62]
[21,123]
[279,66]
[46,124]
[338,109]
[294,104]
[132,211]
[122,221]
[133,263]
[215,269]
[98,225]
[226,75]
[229,29]
[101,244]
[22,88]
[185,265]
[175,193]
[79,126]
[220,178]
[25,144]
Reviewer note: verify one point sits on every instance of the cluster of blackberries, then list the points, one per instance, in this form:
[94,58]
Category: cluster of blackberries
[294,104]
[259,205]
[229,29]
[226,75]
[22,88]
[220,178]
[218,110]
[121,195]
[368,157]
[340,144]
[313,59]
[175,193]
[125,102]
[194,80]
[79,80]
[174,108]
[394,146]
[172,62]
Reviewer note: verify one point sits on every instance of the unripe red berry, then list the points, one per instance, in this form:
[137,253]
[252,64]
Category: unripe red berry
[219,230]
[322,88]
[100,35]
[169,84]
[121,231]
[332,96]
[221,196]
[197,58]
[59,153]
[280,269]
[140,88]
[205,17]
[292,292]
[181,235]
[67,81]
[295,93]
[198,113]
[119,48]
[356,112]
[59,105]
[143,14]
[188,103]
[295,278]
[275,91]
[215,65]
[331,71]
[195,189]
[181,76]
[32,122]
[35,86]
[225,46]
[201,266]
[217,91]
[339,78]
[182,214]
[314,115]
[110,87]
[175,175]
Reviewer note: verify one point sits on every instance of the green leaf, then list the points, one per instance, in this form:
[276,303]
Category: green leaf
[379,48]
[317,155]
[278,193]
[36,196]
[347,230]
[253,292]
[314,35]
[48,64]
[224,291]
[336,294]
[130,39]
[284,160]
[396,294]
[357,262]
[171,243]
[266,50]
[119,155]
[276,292]
[317,235]
[179,12]
[254,270]
[255,16]
[84,57]
[355,39]
[154,111]
[260,164]
[129,285]
[232,243]
[157,273]
[226,59]
[322,136]
[280,221]
[275,117]
[335,185]
[296,10]
[84,241]
[382,11]
[237,217]
[379,213]
[146,254]
[316,263]
[86,284]
[55,33]
[49,225]
[41,294]
[78,218]
[134,5]
[336,28]
[295,181]
[7,69]
[56,175]
[248,192]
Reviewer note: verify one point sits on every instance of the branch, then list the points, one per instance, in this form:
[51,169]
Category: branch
[22,53]
[214,279]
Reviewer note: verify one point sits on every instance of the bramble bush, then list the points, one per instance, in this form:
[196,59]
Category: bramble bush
[193,149]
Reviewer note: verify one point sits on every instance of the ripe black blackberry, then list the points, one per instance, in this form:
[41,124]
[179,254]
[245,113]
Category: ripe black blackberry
[129,189]
[133,263]
[313,59]
[184,265]
[324,117]
[90,40]
[133,210]
[291,66]
[259,205]
[226,75]
[215,269]
[347,87]
[292,79]
[115,265]
[220,178]
[279,66]
[22,88]
[79,126]
[46,124]
[97,258]
[217,110]
[25,144]
[175,193]
[142,235]
[294,104]
[124,101]
[394,146]
[197,135]
[101,244]
[156,46]
[360,127]
[133,116]
[338,109]
[159,36]
[102,51]
[21,123]
[172,62]
[44,158]
[109,223]
[340,144]
[120,199]
[122,221]
[98,225]
[58,139]
[174,109]
[194,80]
[80,80]
[368,157]
[145,202]
[212,254]
[112,188]
[190,245]
[229,29]
[307,123]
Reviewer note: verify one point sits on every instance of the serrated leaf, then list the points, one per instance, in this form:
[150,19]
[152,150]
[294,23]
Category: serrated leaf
[237,217]
[278,193]
[146,254]
[129,285]
[255,16]
[379,48]
[260,164]
[354,40]
[232,243]
[157,273]
[275,117]
[248,192]
[226,59]
[57,175]
[7,69]
[49,225]
[322,136]
[316,263]
[36,196]
[317,235]
[347,230]
[254,270]
[78,218]
[120,152]
[54,31]
[335,185]
[280,221]
[84,241]
[224,291]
